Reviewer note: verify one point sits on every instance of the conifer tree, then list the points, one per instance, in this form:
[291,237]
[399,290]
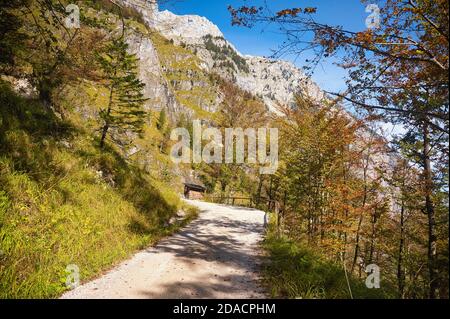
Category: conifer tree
[161,120]
[124,109]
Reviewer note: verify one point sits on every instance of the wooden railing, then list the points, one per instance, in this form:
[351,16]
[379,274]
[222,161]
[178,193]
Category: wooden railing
[269,204]
[233,201]
[262,203]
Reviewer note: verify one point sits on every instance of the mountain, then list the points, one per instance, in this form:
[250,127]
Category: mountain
[274,81]
[186,49]
[87,176]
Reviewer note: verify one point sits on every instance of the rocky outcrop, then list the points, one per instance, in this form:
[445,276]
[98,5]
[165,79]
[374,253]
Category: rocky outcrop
[187,28]
[151,74]
[276,82]
[147,8]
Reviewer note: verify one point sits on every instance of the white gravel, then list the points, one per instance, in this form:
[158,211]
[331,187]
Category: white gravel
[216,256]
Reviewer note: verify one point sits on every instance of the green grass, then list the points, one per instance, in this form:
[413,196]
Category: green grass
[57,209]
[182,65]
[292,270]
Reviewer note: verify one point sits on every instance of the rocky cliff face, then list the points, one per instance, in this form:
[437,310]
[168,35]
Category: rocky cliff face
[187,28]
[151,73]
[275,82]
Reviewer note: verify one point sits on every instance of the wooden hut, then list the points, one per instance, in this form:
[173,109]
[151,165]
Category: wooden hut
[193,191]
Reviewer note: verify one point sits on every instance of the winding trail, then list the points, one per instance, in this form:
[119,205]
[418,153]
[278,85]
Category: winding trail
[215,256]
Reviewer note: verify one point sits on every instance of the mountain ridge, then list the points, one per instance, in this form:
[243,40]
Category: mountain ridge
[275,81]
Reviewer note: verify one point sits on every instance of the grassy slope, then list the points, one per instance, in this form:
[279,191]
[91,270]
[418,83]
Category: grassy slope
[63,201]
[56,209]
[181,65]
[293,270]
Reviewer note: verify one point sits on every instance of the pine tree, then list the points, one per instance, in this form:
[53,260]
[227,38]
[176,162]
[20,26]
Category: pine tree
[125,104]
[161,120]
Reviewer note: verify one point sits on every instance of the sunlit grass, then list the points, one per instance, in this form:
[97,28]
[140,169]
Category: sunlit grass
[294,271]
[63,201]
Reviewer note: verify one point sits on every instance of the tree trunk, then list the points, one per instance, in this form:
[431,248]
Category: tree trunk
[372,238]
[258,195]
[104,132]
[361,215]
[355,256]
[223,186]
[107,122]
[271,187]
[45,95]
[400,271]
[429,206]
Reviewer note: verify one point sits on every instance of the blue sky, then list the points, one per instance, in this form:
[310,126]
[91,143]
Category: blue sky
[262,40]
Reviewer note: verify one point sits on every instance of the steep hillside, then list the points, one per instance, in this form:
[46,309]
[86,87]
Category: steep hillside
[193,88]
[63,201]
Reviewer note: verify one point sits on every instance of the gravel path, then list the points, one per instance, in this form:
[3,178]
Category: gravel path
[216,256]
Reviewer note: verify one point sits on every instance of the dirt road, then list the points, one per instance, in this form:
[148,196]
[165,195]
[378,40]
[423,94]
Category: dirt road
[216,256]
